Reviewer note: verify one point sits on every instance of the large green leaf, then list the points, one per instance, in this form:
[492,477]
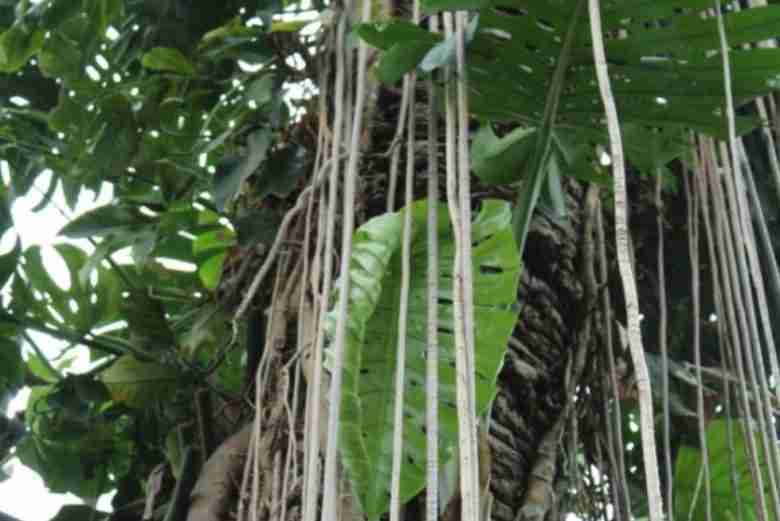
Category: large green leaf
[139,384]
[73,445]
[372,335]
[664,66]
[725,499]
[81,305]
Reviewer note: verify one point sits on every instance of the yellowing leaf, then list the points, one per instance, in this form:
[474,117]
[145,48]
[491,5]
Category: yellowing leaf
[137,383]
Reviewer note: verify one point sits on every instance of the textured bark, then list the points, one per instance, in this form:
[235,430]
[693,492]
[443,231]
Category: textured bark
[527,407]
[215,491]
[531,394]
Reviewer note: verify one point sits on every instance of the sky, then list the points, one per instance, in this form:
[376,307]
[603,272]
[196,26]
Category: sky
[24,495]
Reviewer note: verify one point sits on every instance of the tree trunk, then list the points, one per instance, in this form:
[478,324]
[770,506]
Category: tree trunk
[531,395]
[531,404]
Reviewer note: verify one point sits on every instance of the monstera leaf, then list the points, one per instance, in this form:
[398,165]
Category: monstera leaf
[664,62]
[372,334]
[665,65]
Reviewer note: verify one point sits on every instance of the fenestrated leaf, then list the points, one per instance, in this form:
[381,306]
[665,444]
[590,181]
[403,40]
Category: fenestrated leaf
[372,331]
[664,74]
[691,34]
[139,384]
[538,167]
[71,447]
[725,502]
[63,468]
[168,59]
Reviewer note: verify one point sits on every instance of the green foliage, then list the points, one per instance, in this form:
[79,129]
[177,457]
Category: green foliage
[11,368]
[500,160]
[202,154]
[728,459]
[372,334]
[167,59]
[77,443]
[139,384]
[664,78]
[146,98]
[227,184]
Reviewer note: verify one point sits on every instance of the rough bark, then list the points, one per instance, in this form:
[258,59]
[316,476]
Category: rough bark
[529,402]
[216,489]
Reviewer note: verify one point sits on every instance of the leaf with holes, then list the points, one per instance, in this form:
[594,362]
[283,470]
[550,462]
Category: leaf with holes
[664,64]
[372,334]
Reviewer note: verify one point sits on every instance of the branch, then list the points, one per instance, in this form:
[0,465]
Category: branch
[63,334]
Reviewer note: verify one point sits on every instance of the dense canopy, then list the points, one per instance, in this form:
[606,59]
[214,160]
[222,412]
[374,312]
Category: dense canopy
[495,259]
